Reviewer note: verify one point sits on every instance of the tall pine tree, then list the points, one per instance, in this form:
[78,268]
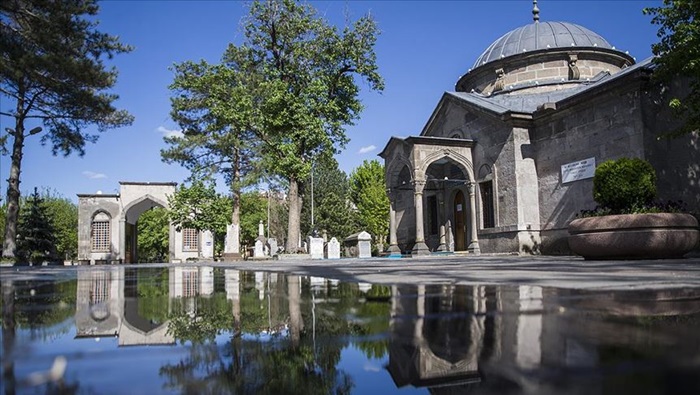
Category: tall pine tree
[36,242]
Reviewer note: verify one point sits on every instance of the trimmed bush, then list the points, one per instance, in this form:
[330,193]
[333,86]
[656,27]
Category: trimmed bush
[624,185]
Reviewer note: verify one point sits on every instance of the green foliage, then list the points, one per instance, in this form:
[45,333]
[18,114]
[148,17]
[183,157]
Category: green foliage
[153,235]
[64,220]
[52,70]
[253,210]
[624,185]
[199,207]
[152,288]
[299,74]
[677,55]
[333,210]
[36,243]
[199,319]
[368,192]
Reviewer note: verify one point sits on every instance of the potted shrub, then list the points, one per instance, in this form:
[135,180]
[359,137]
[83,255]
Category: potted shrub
[627,223]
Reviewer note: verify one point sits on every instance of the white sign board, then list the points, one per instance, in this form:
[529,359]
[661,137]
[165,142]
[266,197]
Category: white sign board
[578,170]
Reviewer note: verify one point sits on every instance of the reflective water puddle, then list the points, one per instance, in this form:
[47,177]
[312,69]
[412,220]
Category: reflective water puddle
[200,330]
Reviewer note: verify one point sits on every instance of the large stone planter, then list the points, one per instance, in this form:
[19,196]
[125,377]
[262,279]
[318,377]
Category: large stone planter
[634,236]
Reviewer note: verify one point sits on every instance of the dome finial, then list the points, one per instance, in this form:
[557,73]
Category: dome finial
[535,12]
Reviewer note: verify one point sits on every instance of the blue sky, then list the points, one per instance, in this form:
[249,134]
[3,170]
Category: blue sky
[424,47]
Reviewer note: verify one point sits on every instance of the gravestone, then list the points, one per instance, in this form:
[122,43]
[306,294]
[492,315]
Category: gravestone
[315,247]
[272,246]
[358,245]
[232,246]
[333,249]
[207,245]
[259,250]
[364,245]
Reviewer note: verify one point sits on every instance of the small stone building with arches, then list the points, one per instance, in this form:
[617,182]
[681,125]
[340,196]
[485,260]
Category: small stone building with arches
[506,161]
[108,231]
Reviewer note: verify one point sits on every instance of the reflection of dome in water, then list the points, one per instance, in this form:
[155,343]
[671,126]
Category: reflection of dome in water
[541,35]
[99,311]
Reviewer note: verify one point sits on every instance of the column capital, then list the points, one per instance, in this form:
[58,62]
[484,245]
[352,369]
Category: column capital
[418,186]
[470,188]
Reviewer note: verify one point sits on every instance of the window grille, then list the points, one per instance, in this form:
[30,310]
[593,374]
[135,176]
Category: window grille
[190,240]
[100,233]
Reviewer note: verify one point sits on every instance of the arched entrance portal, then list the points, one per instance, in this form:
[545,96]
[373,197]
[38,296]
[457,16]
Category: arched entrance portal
[460,216]
[132,215]
[107,231]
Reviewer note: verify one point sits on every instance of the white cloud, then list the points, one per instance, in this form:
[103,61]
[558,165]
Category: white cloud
[367,149]
[372,368]
[169,132]
[94,176]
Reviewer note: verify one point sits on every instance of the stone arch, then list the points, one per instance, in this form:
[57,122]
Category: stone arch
[460,160]
[395,168]
[141,205]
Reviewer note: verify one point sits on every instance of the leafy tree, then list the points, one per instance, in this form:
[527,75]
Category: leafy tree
[212,107]
[333,210]
[254,208]
[64,219]
[52,71]
[368,192]
[301,79]
[35,240]
[153,235]
[198,207]
[677,55]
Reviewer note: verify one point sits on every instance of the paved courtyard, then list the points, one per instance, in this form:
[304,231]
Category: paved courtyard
[562,272]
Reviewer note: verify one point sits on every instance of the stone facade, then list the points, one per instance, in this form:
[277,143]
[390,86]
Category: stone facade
[116,216]
[485,174]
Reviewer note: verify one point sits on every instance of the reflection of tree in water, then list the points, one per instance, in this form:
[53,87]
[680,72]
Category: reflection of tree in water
[153,294]
[199,319]
[302,363]
[42,305]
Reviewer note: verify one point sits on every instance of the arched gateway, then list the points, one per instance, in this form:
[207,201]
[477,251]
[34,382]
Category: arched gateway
[107,231]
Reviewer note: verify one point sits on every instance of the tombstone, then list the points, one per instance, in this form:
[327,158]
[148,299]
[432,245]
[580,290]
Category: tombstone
[324,235]
[272,246]
[364,243]
[315,247]
[358,245]
[333,249]
[259,250]
[207,245]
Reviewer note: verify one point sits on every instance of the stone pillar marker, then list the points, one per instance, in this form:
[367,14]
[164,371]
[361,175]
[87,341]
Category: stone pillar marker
[259,250]
[333,249]
[420,248]
[207,240]
[232,245]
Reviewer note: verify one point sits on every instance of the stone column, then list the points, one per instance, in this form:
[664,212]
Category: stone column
[474,244]
[119,253]
[420,248]
[393,241]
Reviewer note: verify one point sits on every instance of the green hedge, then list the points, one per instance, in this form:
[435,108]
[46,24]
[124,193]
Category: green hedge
[624,185]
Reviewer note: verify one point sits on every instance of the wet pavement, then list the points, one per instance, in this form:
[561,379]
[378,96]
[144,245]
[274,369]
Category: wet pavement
[486,325]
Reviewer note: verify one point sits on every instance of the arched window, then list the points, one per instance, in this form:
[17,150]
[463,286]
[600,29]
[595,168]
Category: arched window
[100,233]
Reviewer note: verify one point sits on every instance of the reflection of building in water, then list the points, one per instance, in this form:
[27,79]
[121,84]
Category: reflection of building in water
[193,281]
[108,306]
[97,303]
[442,335]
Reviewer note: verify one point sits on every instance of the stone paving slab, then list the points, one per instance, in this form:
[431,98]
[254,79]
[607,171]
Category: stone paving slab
[562,272]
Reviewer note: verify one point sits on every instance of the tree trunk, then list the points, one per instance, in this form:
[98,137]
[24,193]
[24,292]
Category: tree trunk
[10,240]
[294,224]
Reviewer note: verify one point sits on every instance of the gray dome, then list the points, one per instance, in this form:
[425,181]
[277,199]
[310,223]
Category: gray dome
[541,35]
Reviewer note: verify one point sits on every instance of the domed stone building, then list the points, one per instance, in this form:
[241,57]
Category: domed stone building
[506,161]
